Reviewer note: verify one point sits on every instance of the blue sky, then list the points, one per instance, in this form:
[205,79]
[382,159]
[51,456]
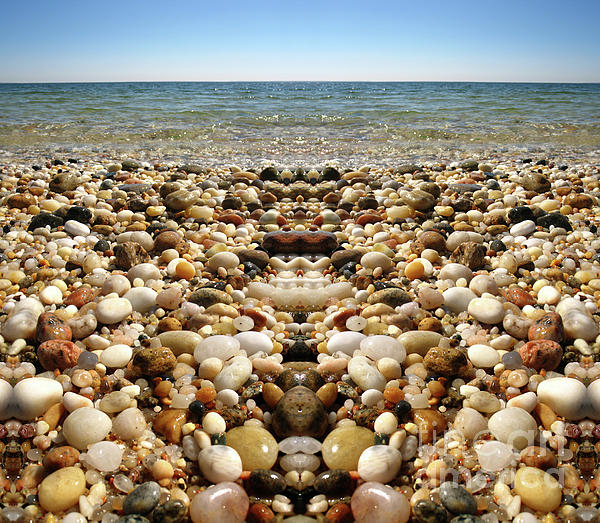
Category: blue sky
[484,40]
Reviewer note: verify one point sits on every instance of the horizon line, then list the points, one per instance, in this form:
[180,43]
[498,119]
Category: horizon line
[299,81]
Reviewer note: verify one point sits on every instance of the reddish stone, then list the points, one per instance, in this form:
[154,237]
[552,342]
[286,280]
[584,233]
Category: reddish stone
[541,354]
[368,217]
[519,297]
[80,297]
[170,240]
[259,513]
[340,513]
[51,327]
[236,219]
[60,457]
[429,240]
[58,354]
[548,327]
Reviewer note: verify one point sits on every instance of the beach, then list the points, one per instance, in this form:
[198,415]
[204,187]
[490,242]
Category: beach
[299,302]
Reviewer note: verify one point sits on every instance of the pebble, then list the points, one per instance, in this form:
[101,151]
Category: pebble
[256,446]
[58,354]
[60,490]
[486,310]
[538,489]
[514,426]
[541,354]
[457,299]
[456,499]
[220,463]
[299,413]
[470,423]
[495,456]
[419,342]
[180,342]
[483,356]
[129,424]
[343,447]
[104,456]
[142,499]
[346,342]
[565,396]
[33,396]
[85,426]
[378,347]
[116,356]
[234,375]
[113,310]
[227,502]
[374,502]
[379,463]
[253,342]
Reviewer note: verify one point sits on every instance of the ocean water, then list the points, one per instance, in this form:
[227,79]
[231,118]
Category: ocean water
[300,122]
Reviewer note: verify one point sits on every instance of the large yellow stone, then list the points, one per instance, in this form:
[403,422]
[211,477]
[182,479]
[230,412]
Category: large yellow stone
[255,445]
[538,489]
[61,489]
[344,445]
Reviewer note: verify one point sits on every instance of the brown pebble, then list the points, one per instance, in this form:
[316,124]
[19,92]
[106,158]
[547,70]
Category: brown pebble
[154,361]
[538,457]
[272,394]
[431,424]
[327,394]
[58,354]
[53,415]
[548,327]
[519,297]
[430,324]
[60,457]
[170,240]
[80,297]
[541,354]
[445,361]
[546,415]
[169,324]
[339,513]
[259,513]
[169,422]
[128,254]
[469,254]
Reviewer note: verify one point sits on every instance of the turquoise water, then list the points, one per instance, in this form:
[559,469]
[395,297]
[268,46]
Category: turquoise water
[299,122]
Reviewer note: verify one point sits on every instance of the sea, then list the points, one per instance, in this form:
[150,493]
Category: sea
[300,123]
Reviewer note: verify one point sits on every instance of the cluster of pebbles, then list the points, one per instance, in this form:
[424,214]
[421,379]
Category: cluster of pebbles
[373,345]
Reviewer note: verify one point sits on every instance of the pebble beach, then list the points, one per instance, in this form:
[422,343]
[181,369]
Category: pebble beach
[416,342]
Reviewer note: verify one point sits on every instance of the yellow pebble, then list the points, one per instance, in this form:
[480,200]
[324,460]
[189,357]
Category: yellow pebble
[185,270]
[162,469]
[322,347]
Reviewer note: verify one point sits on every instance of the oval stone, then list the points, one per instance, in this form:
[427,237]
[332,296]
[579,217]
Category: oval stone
[343,447]
[256,446]
[299,413]
[61,489]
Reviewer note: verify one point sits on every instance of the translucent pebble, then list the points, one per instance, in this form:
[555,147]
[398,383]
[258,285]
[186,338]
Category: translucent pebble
[512,360]
[123,483]
[300,462]
[87,360]
[104,456]
[494,456]
[303,444]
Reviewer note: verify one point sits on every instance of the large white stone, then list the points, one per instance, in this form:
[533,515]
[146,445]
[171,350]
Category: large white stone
[142,299]
[6,395]
[486,310]
[565,396]
[513,426]
[22,321]
[234,375]
[483,356]
[33,396]
[470,423]
[219,346]
[365,375]
[113,310]
[86,426]
[346,342]
[380,346]
[457,299]
[220,463]
[116,356]
[379,463]
[494,456]
[253,342]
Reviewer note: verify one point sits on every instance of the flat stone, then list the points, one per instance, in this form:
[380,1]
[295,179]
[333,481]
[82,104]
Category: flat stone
[113,310]
[393,297]
[206,296]
[180,342]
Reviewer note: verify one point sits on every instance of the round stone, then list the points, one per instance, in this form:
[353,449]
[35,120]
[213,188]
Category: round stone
[379,346]
[142,499]
[565,396]
[373,502]
[85,426]
[470,423]
[104,456]
[113,310]
[31,397]
[494,456]
[253,342]
[538,489]
[541,354]
[142,299]
[219,346]
[220,463]
[514,426]
[129,424]
[457,499]
[299,413]
[346,342]
[457,299]
[379,463]
[365,375]
[213,423]
[226,502]
[61,490]
[58,354]
[243,323]
[234,375]
[343,447]
[483,356]
[116,356]
[386,423]
[486,310]
[255,445]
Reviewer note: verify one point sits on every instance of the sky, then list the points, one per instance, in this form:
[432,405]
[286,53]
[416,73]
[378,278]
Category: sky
[369,40]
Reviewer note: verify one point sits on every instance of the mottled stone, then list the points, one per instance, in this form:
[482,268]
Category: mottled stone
[393,297]
[154,361]
[539,457]
[299,413]
[80,297]
[445,361]
[457,499]
[334,483]
[255,445]
[519,297]
[58,354]
[129,254]
[61,457]
[308,378]
[206,296]
[427,511]
[541,354]
[51,327]
[226,502]
[431,424]
[263,482]
[172,511]
[469,254]
[548,327]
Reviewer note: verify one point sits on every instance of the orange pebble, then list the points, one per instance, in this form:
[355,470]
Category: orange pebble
[393,395]
[206,394]
[185,270]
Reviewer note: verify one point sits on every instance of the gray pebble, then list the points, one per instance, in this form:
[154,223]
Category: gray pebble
[142,499]
[457,499]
